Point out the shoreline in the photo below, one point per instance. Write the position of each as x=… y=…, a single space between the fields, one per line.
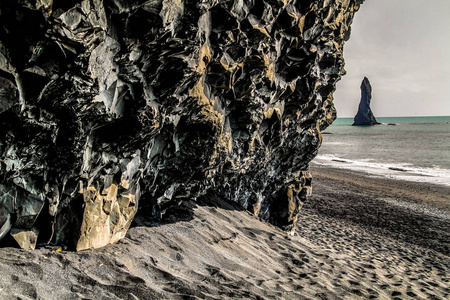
x=416 y=213
x=436 y=176
x=411 y=191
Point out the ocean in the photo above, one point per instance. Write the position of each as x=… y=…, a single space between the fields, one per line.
x=407 y=148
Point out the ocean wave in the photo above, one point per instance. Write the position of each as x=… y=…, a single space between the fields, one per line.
x=401 y=171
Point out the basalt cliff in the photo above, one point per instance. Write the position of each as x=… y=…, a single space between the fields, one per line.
x=108 y=106
x=365 y=116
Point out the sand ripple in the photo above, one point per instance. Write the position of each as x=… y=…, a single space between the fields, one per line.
x=215 y=251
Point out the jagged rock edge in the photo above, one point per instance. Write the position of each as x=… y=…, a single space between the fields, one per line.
x=110 y=105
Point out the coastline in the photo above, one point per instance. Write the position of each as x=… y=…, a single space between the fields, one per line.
x=411 y=191
x=412 y=212
x=358 y=237
x=423 y=176
x=414 y=150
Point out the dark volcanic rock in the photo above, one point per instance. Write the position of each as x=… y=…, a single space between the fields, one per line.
x=106 y=106
x=364 y=116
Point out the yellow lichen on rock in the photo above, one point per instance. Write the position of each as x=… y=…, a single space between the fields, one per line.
x=26 y=239
x=209 y=114
x=107 y=217
x=204 y=58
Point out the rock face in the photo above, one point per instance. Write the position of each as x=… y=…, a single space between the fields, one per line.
x=110 y=105
x=364 y=116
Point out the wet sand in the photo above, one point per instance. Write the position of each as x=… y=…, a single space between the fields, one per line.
x=358 y=238
x=416 y=213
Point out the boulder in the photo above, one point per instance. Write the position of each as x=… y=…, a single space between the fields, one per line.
x=26 y=239
x=109 y=106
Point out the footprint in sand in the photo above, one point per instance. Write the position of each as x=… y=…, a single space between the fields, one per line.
x=26 y=289
x=353 y=282
x=411 y=294
x=396 y=294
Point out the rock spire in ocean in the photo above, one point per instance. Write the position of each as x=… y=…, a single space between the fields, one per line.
x=364 y=115
x=111 y=106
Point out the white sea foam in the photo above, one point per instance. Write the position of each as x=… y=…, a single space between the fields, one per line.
x=400 y=171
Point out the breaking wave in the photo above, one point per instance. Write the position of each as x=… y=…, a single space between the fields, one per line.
x=400 y=171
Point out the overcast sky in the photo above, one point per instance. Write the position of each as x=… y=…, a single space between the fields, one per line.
x=403 y=47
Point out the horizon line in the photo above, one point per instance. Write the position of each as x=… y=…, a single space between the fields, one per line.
x=415 y=116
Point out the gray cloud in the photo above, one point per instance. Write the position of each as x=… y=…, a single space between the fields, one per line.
x=402 y=47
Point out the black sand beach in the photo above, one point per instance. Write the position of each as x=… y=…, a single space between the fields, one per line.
x=359 y=237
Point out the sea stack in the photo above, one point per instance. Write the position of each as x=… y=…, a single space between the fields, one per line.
x=365 y=115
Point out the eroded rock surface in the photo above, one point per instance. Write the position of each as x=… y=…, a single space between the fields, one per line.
x=109 y=105
x=365 y=116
